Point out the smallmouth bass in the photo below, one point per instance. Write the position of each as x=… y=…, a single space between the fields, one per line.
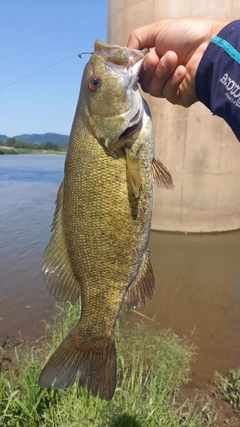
x=102 y=222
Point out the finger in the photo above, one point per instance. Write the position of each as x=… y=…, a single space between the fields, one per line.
x=143 y=37
x=149 y=66
x=155 y=74
x=171 y=89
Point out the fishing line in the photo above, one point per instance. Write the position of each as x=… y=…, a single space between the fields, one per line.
x=36 y=72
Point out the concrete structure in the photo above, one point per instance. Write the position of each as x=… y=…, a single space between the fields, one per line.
x=200 y=150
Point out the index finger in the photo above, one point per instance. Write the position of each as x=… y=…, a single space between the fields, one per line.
x=143 y=37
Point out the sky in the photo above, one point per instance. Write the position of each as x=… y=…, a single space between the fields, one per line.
x=35 y=34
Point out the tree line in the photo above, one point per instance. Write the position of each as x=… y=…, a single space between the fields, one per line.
x=49 y=146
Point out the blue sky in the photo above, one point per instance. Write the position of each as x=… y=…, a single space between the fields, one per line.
x=35 y=34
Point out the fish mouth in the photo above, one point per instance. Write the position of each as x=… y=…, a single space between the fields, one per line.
x=118 y=55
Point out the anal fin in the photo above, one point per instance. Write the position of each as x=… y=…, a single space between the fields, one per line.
x=56 y=266
x=161 y=175
x=143 y=287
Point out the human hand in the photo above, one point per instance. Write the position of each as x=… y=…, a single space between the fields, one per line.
x=169 y=69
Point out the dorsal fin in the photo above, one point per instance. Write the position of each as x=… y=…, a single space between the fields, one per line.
x=161 y=175
x=56 y=266
x=143 y=287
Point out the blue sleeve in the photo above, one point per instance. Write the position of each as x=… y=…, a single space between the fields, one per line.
x=218 y=76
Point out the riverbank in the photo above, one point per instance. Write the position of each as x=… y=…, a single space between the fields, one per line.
x=12 y=150
x=152 y=390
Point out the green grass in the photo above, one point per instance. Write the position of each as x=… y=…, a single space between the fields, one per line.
x=228 y=388
x=8 y=150
x=151 y=371
x=4 y=150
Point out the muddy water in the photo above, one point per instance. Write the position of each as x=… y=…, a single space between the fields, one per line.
x=197 y=276
x=198 y=294
x=28 y=186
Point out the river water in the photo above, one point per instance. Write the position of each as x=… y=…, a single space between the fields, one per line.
x=197 y=276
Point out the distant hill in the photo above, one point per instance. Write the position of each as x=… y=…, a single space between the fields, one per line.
x=3 y=138
x=55 y=138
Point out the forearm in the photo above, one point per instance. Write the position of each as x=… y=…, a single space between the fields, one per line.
x=218 y=76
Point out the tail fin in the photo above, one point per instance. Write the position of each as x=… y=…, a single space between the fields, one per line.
x=90 y=361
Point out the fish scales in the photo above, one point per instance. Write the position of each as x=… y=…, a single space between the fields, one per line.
x=102 y=221
x=112 y=240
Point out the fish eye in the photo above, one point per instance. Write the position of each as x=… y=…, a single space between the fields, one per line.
x=94 y=83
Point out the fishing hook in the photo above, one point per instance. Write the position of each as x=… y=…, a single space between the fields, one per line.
x=84 y=53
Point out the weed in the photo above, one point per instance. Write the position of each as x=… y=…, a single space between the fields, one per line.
x=151 y=370
x=229 y=387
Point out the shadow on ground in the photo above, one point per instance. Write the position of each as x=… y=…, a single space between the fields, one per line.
x=124 y=421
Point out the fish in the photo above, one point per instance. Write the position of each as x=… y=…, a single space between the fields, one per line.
x=98 y=253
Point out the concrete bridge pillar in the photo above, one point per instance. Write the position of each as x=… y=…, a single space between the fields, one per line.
x=200 y=150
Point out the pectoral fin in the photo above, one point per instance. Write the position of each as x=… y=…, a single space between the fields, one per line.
x=161 y=175
x=134 y=172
